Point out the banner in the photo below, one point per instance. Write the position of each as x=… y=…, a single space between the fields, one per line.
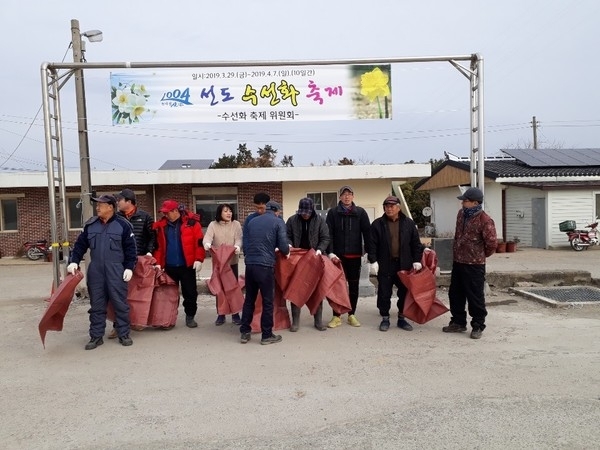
x=252 y=94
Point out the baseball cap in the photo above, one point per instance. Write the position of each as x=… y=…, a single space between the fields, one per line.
x=127 y=194
x=346 y=188
x=169 y=205
x=391 y=200
x=110 y=199
x=473 y=194
x=273 y=206
x=306 y=206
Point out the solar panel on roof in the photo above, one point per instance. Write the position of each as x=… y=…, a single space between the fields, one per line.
x=564 y=157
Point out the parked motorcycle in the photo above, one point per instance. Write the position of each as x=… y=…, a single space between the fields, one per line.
x=582 y=239
x=36 y=250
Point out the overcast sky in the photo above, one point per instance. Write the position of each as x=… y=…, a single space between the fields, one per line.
x=540 y=59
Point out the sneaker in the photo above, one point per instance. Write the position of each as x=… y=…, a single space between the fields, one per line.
x=245 y=338
x=353 y=321
x=138 y=327
x=273 y=339
x=385 y=324
x=125 y=340
x=454 y=328
x=236 y=319
x=403 y=324
x=113 y=334
x=220 y=320
x=94 y=342
x=190 y=322
x=476 y=333
x=335 y=321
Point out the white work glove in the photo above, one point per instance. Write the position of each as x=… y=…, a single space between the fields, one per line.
x=207 y=246
x=374 y=268
x=417 y=266
x=197 y=266
x=427 y=250
x=71 y=268
x=333 y=256
x=157 y=266
x=237 y=249
x=318 y=253
x=127 y=274
x=149 y=254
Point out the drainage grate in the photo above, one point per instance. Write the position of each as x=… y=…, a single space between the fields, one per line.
x=563 y=295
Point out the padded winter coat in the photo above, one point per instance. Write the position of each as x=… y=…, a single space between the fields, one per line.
x=191 y=239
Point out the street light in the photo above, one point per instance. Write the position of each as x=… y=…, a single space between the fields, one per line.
x=84 y=149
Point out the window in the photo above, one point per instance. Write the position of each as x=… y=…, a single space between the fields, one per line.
x=324 y=201
x=8 y=211
x=74 y=213
x=206 y=201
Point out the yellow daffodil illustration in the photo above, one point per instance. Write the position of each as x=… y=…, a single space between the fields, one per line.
x=376 y=85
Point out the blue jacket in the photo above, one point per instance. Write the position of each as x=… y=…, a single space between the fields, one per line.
x=109 y=243
x=263 y=234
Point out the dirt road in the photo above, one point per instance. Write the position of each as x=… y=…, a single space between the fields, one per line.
x=532 y=381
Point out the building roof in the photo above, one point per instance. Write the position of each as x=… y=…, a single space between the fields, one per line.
x=399 y=172
x=183 y=164
x=526 y=166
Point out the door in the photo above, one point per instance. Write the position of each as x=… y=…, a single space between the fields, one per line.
x=538 y=223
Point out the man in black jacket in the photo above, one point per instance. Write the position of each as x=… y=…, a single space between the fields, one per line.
x=394 y=246
x=348 y=231
x=306 y=229
x=141 y=222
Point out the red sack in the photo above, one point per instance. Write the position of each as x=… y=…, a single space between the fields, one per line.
x=139 y=293
x=54 y=316
x=285 y=267
x=281 y=315
x=305 y=278
x=335 y=287
x=165 y=301
x=421 y=304
x=223 y=283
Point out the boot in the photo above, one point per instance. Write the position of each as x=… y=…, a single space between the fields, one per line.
x=295 y=318
x=319 y=319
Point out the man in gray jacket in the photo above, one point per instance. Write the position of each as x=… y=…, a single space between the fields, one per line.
x=306 y=229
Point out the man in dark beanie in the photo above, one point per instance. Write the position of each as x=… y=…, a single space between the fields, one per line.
x=306 y=229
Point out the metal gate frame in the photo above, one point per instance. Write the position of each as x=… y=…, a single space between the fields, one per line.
x=52 y=82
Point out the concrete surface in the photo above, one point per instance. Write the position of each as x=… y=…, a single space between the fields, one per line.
x=532 y=381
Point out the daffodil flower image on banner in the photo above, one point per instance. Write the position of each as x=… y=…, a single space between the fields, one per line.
x=375 y=85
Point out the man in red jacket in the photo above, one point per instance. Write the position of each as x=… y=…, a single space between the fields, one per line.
x=180 y=251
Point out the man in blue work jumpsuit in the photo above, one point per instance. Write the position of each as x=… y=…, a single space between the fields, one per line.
x=113 y=255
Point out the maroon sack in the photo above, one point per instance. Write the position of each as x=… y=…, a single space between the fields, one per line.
x=54 y=316
x=165 y=302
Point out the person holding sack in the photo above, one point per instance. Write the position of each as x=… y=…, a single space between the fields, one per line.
x=394 y=245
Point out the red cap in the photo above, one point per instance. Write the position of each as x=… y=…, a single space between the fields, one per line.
x=168 y=205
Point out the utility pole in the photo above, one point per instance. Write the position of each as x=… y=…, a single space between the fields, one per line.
x=78 y=45
x=534 y=124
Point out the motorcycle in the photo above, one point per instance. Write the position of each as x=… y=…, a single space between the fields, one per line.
x=582 y=239
x=36 y=250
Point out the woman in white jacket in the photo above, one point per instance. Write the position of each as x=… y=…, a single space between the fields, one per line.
x=225 y=230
